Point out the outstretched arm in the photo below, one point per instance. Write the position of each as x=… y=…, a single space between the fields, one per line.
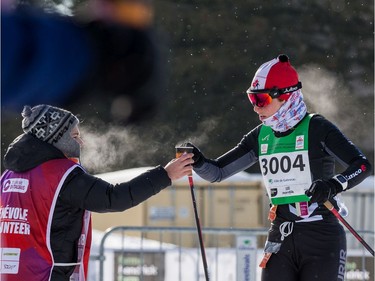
x=88 y=192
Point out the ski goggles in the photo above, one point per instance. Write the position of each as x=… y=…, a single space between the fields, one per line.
x=260 y=100
x=264 y=97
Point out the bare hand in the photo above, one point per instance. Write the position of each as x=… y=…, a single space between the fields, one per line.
x=179 y=167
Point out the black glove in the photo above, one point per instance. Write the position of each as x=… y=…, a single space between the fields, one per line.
x=323 y=190
x=198 y=156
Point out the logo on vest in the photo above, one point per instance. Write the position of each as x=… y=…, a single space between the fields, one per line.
x=273 y=192
x=16 y=185
x=300 y=142
x=263 y=148
x=10 y=259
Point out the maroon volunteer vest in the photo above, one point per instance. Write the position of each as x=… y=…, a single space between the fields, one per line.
x=28 y=201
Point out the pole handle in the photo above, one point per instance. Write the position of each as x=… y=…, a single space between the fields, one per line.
x=328 y=205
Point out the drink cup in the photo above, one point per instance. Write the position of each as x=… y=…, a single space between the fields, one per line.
x=180 y=149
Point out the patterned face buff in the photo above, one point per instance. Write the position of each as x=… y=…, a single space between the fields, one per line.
x=289 y=114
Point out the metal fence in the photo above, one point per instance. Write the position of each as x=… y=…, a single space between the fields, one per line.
x=128 y=254
x=360 y=204
x=165 y=250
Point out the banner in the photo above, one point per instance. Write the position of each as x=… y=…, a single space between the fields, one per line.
x=246 y=251
x=136 y=266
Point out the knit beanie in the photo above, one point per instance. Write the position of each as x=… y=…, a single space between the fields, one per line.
x=52 y=125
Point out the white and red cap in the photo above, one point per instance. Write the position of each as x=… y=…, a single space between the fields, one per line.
x=277 y=76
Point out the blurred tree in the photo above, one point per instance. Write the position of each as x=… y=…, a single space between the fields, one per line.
x=213 y=48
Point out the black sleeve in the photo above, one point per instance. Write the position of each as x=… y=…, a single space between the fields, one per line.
x=91 y=193
x=337 y=145
x=239 y=158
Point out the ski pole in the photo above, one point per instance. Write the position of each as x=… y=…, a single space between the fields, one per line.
x=179 y=151
x=203 y=253
x=330 y=207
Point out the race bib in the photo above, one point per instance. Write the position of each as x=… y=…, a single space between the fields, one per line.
x=285 y=164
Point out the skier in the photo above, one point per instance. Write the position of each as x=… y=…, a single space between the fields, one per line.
x=46 y=198
x=296 y=151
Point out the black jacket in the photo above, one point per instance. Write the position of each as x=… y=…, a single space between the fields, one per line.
x=80 y=192
x=327 y=146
